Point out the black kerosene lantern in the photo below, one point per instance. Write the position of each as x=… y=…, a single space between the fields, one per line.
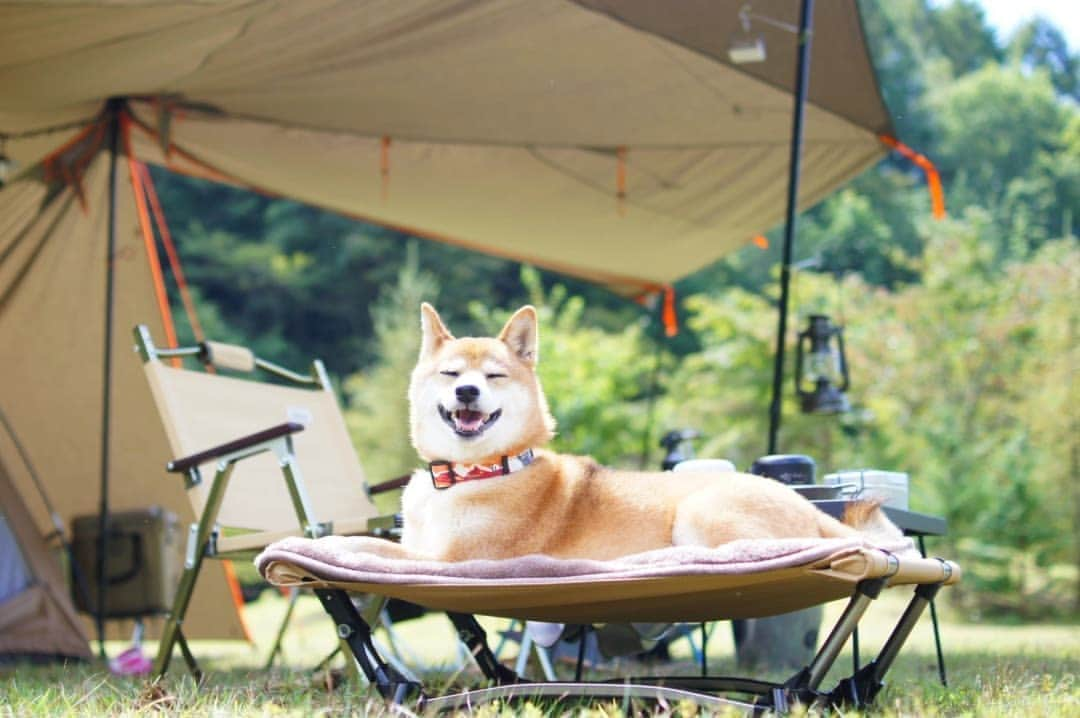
x=822 y=380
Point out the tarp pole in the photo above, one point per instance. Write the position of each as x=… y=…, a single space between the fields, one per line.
x=112 y=112
x=802 y=80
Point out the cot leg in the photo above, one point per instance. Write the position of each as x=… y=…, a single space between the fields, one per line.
x=474 y=637
x=937 y=628
x=803 y=686
x=354 y=632
x=862 y=687
x=865 y=592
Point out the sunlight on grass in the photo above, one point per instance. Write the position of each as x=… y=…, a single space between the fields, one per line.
x=993 y=671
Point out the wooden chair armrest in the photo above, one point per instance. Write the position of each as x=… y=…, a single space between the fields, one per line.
x=246 y=442
x=390 y=485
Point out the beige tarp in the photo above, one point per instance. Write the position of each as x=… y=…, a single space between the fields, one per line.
x=504 y=118
x=610 y=140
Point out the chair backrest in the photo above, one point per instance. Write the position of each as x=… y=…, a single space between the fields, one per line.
x=201 y=410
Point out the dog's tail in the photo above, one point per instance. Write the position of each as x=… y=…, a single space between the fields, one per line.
x=864 y=518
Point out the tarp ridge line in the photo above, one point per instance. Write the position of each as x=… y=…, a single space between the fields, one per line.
x=637 y=284
x=871 y=137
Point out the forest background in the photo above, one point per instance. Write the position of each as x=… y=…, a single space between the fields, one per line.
x=962 y=334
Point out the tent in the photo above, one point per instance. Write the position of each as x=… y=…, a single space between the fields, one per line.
x=52 y=299
x=36 y=615
x=611 y=140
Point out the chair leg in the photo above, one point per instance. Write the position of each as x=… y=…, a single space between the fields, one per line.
x=199 y=537
x=505 y=637
x=189 y=659
x=524 y=649
x=326 y=661
x=397 y=645
x=544 y=658
x=294 y=593
x=703 y=655
x=172 y=634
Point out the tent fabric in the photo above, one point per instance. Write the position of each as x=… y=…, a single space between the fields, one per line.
x=52 y=294
x=36 y=615
x=14 y=575
x=505 y=118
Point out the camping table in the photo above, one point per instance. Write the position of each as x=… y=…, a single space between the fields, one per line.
x=912 y=523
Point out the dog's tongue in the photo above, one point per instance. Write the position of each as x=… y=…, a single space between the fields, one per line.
x=469 y=420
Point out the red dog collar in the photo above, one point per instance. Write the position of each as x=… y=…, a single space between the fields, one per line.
x=445 y=474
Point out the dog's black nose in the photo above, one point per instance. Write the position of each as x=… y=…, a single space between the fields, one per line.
x=467 y=393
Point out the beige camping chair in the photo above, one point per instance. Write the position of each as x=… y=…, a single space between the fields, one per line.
x=240 y=444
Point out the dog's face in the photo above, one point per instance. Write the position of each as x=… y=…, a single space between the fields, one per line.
x=476 y=399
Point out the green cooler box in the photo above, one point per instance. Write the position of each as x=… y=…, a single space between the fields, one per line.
x=144 y=560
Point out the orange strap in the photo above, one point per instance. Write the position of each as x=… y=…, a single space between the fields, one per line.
x=153 y=259
x=148 y=239
x=171 y=253
x=384 y=166
x=933 y=179
x=670 y=315
x=620 y=179
x=71 y=172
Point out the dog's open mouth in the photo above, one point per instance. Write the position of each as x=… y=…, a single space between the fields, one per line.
x=468 y=423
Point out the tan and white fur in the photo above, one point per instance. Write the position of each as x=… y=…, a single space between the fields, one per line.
x=474 y=400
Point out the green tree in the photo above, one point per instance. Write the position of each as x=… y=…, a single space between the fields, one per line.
x=1039 y=44
x=959 y=31
x=965 y=379
x=1002 y=147
x=378 y=408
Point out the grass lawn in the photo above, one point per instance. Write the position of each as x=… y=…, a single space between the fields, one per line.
x=993 y=671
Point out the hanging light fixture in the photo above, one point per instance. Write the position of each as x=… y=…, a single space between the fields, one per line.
x=745 y=46
x=822 y=378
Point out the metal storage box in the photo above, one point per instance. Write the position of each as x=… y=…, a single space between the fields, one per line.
x=891 y=487
x=144 y=560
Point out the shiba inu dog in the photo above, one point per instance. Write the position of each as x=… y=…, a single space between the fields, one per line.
x=479 y=417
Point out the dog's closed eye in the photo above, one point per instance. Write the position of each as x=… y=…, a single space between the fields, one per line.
x=450 y=373
x=495 y=376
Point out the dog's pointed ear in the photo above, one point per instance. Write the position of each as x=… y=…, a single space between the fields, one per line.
x=521 y=335
x=434 y=332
